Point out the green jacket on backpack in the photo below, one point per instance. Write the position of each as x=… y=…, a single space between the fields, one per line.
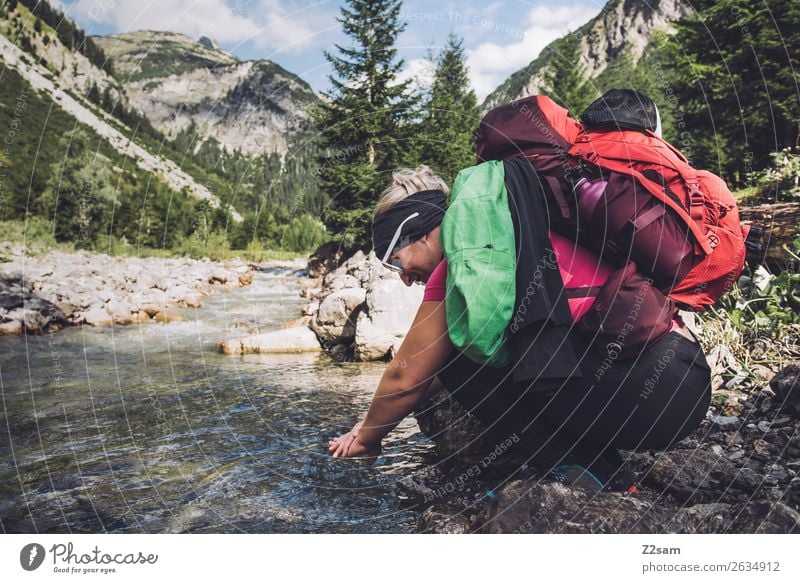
x=479 y=245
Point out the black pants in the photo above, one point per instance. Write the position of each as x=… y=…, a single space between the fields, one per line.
x=651 y=402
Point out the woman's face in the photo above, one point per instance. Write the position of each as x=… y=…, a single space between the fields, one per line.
x=419 y=259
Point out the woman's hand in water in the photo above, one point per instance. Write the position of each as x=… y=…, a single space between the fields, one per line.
x=349 y=445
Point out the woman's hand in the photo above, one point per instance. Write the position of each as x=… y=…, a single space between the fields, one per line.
x=349 y=445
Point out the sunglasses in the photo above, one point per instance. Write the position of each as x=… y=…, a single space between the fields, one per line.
x=393 y=246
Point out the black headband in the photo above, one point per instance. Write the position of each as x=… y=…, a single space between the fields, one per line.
x=430 y=204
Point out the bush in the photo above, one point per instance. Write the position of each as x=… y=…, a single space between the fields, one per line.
x=781 y=181
x=215 y=246
x=36 y=234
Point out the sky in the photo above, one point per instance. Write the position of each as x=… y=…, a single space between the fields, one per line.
x=499 y=37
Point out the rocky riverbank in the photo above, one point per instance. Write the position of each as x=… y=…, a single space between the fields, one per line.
x=357 y=311
x=734 y=474
x=50 y=291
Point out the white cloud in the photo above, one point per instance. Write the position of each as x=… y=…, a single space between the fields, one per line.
x=266 y=23
x=490 y=63
x=419 y=71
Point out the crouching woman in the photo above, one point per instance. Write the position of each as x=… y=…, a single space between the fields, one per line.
x=579 y=420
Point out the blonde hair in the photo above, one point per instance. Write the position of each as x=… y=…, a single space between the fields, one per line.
x=406 y=182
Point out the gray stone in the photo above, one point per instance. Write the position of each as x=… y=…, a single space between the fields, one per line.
x=344 y=282
x=724 y=422
x=766 y=518
x=10 y=328
x=390 y=310
x=96 y=317
x=525 y=506
x=9 y=301
x=326 y=258
x=691 y=476
x=279 y=341
x=335 y=320
x=443 y=520
x=785 y=384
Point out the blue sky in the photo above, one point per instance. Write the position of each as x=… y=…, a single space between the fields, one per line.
x=499 y=37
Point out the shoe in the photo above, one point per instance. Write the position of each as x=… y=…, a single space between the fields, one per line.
x=577 y=475
x=605 y=472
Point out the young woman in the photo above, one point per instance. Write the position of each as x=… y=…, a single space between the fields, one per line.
x=648 y=402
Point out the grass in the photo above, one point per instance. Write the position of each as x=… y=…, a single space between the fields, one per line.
x=36 y=237
x=746 y=194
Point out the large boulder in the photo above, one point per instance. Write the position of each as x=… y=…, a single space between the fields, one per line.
x=390 y=310
x=327 y=258
x=336 y=318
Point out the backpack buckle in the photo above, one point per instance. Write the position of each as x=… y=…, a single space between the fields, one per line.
x=697 y=205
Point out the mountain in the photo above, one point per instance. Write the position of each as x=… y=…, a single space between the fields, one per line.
x=178 y=83
x=83 y=164
x=44 y=65
x=622 y=29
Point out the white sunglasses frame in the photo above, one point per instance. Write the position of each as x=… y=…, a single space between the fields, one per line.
x=390 y=249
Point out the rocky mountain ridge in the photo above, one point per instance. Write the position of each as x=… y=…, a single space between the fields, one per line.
x=65 y=76
x=178 y=83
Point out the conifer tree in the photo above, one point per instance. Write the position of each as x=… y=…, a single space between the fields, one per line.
x=735 y=75
x=452 y=115
x=366 y=126
x=565 y=79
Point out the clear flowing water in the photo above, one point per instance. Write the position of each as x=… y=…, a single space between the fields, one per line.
x=147 y=428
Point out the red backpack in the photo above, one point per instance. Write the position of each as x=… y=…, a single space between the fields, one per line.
x=679 y=225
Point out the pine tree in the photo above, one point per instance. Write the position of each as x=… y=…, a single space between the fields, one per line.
x=736 y=77
x=452 y=115
x=565 y=79
x=366 y=127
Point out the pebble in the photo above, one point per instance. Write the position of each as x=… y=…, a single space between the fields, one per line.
x=763 y=426
x=781 y=421
x=725 y=422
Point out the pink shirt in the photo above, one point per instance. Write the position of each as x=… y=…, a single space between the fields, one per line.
x=579 y=267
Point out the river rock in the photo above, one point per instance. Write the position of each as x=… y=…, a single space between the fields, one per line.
x=336 y=318
x=167 y=316
x=119 y=311
x=785 y=384
x=10 y=327
x=725 y=422
x=326 y=258
x=444 y=520
x=390 y=310
x=96 y=317
x=9 y=300
x=280 y=341
x=766 y=518
x=527 y=506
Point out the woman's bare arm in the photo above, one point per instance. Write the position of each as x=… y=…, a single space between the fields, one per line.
x=406 y=380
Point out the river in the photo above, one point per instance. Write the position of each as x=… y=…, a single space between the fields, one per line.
x=147 y=428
